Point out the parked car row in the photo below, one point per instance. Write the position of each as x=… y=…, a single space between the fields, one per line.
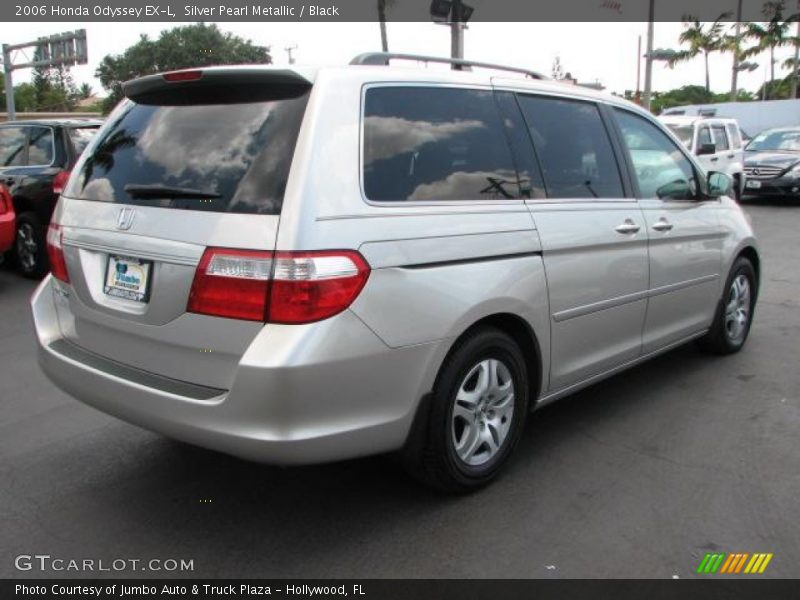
x=35 y=160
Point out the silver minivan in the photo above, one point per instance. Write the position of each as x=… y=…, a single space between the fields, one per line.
x=305 y=265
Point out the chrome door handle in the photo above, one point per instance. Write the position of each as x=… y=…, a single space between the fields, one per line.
x=662 y=225
x=627 y=227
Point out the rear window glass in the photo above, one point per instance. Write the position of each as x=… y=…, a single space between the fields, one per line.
x=427 y=143
x=40 y=146
x=81 y=136
x=12 y=146
x=231 y=157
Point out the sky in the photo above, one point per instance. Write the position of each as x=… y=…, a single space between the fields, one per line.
x=589 y=51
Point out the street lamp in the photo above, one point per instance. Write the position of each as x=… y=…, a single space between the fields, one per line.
x=456 y=14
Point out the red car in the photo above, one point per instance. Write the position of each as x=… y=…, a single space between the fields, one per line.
x=7 y=220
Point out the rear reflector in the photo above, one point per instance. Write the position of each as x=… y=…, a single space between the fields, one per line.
x=183 y=76
x=60 y=181
x=55 y=252
x=285 y=287
x=231 y=283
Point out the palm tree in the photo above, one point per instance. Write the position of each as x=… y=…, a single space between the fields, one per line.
x=701 y=39
x=382 y=6
x=770 y=35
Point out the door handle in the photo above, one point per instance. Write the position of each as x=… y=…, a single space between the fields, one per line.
x=628 y=226
x=662 y=225
x=731 y=156
x=714 y=159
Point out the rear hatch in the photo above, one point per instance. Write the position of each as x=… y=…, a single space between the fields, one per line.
x=190 y=160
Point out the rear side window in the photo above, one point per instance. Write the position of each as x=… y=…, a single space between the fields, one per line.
x=12 y=146
x=80 y=137
x=573 y=147
x=703 y=137
x=734 y=136
x=720 y=137
x=40 y=146
x=429 y=143
x=222 y=157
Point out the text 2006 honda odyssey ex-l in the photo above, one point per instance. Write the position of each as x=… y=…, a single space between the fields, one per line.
x=298 y=266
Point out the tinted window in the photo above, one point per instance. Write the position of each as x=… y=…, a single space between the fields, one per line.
x=238 y=155
x=661 y=169
x=424 y=143
x=12 y=146
x=704 y=137
x=40 y=146
x=720 y=137
x=81 y=136
x=735 y=138
x=530 y=177
x=573 y=147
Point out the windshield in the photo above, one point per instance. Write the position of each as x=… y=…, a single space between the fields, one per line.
x=226 y=157
x=784 y=141
x=684 y=133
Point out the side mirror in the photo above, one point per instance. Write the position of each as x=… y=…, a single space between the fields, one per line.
x=719 y=184
x=706 y=149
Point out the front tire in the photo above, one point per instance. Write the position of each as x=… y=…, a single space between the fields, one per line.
x=734 y=314
x=30 y=249
x=477 y=412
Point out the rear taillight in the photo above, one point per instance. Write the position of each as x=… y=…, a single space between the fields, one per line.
x=6 y=203
x=285 y=287
x=232 y=283
x=60 y=182
x=311 y=286
x=55 y=252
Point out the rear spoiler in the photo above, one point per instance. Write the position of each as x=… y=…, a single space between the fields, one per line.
x=216 y=85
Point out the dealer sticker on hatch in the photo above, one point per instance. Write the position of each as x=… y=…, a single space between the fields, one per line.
x=128 y=278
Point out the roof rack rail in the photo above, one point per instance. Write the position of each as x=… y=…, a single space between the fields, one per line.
x=383 y=58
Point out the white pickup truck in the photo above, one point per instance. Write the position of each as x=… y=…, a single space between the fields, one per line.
x=717 y=143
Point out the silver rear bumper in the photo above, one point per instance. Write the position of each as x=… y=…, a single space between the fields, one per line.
x=301 y=394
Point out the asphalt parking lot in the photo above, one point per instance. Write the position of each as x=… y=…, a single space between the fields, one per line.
x=638 y=476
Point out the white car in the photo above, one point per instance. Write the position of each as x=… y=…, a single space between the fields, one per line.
x=717 y=143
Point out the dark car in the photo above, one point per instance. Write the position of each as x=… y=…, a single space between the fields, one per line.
x=772 y=163
x=35 y=161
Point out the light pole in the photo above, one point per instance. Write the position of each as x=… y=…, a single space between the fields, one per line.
x=735 y=76
x=648 y=65
x=456 y=14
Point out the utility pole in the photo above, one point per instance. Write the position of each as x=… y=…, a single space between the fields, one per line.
x=735 y=75
x=457 y=31
x=648 y=63
x=11 y=109
x=65 y=49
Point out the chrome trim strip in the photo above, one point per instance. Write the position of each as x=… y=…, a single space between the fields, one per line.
x=167 y=258
x=586 y=309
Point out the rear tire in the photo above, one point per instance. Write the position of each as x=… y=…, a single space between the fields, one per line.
x=30 y=247
x=734 y=314
x=476 y=414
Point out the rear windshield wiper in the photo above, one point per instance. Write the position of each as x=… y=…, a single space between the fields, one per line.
x=156 y=190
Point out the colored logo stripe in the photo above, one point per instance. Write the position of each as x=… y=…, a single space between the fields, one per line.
x=719 y=562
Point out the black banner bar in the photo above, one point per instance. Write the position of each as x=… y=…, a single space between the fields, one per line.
x=366 y=10
x=712 y=588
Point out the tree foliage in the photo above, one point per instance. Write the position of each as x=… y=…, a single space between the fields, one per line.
x=197 y=45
